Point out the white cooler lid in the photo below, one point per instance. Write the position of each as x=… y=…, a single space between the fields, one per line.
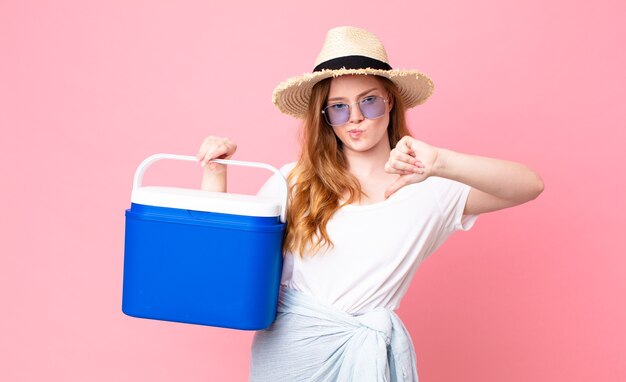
x=199 y=200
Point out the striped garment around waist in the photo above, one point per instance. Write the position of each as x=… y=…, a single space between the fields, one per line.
x=314 y=341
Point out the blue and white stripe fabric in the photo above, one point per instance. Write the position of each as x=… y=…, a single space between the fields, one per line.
x=314 y=341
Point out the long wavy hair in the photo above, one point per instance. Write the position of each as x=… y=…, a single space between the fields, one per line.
x=320 y=178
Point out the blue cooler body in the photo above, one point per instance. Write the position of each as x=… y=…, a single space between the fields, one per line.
x=201 y=257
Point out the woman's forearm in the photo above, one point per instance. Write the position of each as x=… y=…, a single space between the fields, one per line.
x=510 y=181
x=214 y=180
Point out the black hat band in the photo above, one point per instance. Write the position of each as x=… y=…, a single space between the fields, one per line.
x=352 y=62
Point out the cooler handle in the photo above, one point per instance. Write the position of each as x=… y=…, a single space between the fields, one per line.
x=143 y=166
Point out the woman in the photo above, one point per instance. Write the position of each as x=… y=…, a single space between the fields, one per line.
x=368 y=203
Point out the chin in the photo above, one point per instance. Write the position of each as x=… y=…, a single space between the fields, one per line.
x=359 y=146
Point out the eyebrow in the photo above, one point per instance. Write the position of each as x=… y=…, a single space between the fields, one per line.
x=358 y=95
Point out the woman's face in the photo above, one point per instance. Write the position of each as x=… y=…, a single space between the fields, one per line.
x=360 y=134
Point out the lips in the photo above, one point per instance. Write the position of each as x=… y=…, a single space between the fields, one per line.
x=355 y=132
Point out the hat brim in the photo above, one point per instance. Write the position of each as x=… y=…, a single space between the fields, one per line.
x=292 y=96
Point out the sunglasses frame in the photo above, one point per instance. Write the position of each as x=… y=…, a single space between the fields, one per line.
x=385 y=100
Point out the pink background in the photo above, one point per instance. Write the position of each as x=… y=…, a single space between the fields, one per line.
x=89 y=89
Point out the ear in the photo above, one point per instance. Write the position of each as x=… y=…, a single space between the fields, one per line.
x=391 y=101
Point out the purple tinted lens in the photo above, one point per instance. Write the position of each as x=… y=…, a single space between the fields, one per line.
x=337 y=114
x=372 y=107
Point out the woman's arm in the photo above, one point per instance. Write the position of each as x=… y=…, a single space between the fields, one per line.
x=496 y=184
x=214 y=180
x=214 y=176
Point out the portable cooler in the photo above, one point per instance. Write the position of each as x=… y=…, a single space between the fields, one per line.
x=202 y=257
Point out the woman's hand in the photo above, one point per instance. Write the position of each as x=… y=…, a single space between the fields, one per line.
x=413 y=160
x=214 y=178
x=215 y=148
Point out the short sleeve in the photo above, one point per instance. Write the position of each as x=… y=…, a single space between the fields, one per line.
x=452 y=197
x=273 y=187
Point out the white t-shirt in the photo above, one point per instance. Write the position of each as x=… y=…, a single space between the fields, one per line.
x=377 y=247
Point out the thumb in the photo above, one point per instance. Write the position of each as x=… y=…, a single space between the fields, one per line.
x=395 y=186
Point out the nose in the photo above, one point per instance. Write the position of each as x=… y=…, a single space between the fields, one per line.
x=355 y=114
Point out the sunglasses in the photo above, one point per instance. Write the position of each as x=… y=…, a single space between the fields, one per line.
x=371 y=107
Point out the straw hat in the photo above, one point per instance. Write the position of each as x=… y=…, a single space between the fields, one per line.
x=350 y=50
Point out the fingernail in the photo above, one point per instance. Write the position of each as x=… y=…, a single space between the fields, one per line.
x=202 y=164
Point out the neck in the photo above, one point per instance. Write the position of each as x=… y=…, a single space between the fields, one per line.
x=368 y=163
